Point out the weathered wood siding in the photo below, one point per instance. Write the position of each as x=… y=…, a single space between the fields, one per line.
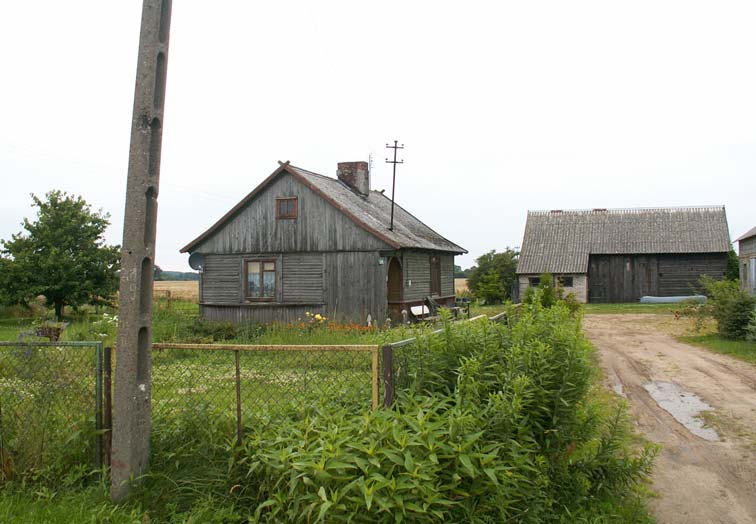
x=319 y=227
x=416 y=265
x=344 y=286
x=302 y=277
x=747 y=259
x=417 y=275
x=679 y=275
x=626 y=278
x=259 y=313
x=222 y=279
x=747 y=247
x=447 y=275
x=355 y=286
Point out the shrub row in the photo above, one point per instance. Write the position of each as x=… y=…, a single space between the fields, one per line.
x=498 y=424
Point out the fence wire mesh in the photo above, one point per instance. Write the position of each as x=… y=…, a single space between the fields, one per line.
x=257 y=384
x=50 y=406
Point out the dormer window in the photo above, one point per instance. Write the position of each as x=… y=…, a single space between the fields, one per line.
x=286 y=207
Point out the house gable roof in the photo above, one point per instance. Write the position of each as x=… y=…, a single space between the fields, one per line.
x=561 y=241
x=371 y=213
x=750 y=233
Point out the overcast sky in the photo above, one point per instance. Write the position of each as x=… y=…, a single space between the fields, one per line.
x=502 y=107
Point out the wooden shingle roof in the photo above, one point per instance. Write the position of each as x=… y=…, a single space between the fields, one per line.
x=561 y=241
x=371 y=213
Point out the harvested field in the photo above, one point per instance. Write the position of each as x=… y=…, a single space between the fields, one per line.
x=177 y=289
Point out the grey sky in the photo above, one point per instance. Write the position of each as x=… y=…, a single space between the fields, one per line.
x=502 y=106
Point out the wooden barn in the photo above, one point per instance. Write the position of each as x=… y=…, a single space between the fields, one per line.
x=620 y=255
x=303 y=242
x=747 y=257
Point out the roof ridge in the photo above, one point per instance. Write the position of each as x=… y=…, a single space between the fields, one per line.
x=625 y=210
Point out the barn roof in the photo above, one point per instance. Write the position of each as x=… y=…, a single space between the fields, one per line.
x=371 y=213
x=751 y=233
x=561 y=241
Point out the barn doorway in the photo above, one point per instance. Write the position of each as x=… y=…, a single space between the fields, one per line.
x=394 y=280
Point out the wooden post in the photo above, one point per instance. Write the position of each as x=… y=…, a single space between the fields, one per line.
x=131 y=432
x=388 y=375
x=374 y=352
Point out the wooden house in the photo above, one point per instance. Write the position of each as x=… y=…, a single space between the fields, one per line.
x=620 y=255
x=303 y=242
x=747 y=258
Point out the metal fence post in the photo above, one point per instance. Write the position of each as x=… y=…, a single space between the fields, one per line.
x=98 y=404
x=237 y=358
x=108 y=400
x=388 y=375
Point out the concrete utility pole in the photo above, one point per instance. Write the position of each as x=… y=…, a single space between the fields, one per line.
x=131 y=430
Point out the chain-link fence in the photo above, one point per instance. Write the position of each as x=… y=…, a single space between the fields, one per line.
x=254 y=384
x=51 y=406
x=414 y=362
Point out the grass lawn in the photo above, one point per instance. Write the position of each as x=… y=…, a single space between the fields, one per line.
x=632 y=307
x=43 y=506
x=741 y=349
x=11 y=327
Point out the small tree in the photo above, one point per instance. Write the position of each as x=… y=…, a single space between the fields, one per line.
x=503 y=265
x=732 y=272
x=61 y=256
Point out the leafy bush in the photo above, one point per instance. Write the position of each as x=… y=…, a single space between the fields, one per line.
x=213 y=331
x=751 y=328
x=729 y=305
x=498 y=424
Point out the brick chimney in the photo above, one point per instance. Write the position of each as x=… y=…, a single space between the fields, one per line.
x=356 y=175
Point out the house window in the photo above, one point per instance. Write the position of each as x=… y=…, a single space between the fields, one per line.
x=286 y=207
x=261 y=279
x=565 y=281
x=534 y=281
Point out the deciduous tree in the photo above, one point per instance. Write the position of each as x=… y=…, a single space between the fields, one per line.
x=61 y=255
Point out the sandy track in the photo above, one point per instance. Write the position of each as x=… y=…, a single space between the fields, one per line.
x=697 y=481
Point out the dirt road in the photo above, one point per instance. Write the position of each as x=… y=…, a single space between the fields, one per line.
x=697 y=480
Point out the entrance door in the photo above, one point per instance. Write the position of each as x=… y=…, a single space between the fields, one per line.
x=435 y=275
x=394 y=280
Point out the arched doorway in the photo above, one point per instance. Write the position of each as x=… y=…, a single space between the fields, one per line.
x=394 y=280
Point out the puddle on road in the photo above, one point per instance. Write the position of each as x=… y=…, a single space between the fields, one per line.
x=682 y=405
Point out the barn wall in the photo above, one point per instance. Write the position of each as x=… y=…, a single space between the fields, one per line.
x=679 y=274
x=626 y=278
x=579 y=285
x=319 y=226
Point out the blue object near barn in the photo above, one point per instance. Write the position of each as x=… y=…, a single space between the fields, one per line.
x=701 y=299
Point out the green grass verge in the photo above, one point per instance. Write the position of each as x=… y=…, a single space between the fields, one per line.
x=741 y=349
x=630 y=308
x=69 y=507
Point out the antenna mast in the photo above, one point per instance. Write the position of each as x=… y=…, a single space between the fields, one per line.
x=395 y=147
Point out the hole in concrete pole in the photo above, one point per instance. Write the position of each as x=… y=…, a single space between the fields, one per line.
x=160 y=70
x=143 y=347
x=145 y=291
x=156 y=135
x=150 y=217
x=165 y=20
